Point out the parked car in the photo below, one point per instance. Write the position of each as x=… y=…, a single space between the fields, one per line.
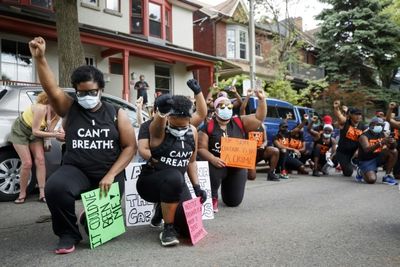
x=13 y=101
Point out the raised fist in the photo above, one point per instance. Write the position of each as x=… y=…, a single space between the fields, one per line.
x=336 y=104
x=392 y=105
x=164 y=103
x=194 y=86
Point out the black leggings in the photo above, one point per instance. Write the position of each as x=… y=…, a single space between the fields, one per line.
x=167 y=186
x=65 y=186
x=232 y=182
x=345 y=162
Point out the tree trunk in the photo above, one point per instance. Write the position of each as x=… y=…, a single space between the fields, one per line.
x=70 y=49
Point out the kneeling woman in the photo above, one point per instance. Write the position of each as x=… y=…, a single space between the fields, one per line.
x=173 y=150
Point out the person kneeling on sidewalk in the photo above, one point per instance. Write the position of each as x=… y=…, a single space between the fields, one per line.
x=375 y=150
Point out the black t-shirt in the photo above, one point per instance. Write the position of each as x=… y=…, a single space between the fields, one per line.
x=326 y=144
x=144 y=130
x=372 y=140
x=174 y=152
x=348 y=141
x=141 y=87
x=214 y=139
x=92 y=139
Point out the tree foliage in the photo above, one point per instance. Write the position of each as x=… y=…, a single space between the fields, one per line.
x=357 y=38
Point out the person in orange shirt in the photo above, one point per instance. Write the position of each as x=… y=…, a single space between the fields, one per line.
x=395 y=132
x=350 y=130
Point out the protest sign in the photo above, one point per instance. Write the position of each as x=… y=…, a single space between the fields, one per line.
x=205 y=184
x=257 y=136
x=246 y=86
x=192 y=209
x=239 y=153
x=138 y=211
x=103 y=215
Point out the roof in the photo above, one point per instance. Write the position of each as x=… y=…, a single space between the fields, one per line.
x=226 y=8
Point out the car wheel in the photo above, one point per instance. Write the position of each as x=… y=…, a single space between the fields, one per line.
x=10 y=165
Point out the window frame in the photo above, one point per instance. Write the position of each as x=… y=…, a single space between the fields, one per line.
x=238 y=30
x=135 y=16
x=32 y=78
x=119 y=6
x=29 y=4
x=156 y=89
x=115 y=60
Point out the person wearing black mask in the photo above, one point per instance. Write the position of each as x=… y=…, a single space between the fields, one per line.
x=350 y=130
x=375 y=150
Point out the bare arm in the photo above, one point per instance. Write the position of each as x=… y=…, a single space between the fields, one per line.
x=299 y=127
x=192 y=168
x=39 y=113
x=340 y=117
x=205 y=154
x=238 y=101
x=243 y=107
x=157 y=130
x=252 y=122
x=334 y=146
x=58 y=99
x=312 y=132
x=365 y=145
x=144 y=148
x=201 y=110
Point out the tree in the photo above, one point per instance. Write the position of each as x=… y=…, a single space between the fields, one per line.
x=357 y=38
x=393 y=11
x=70 y=49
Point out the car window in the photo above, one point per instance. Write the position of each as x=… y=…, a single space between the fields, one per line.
x=279 y=112
x=302 y=112
x=3 y=93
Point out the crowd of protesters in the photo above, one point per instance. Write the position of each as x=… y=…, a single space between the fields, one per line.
x=178 y=134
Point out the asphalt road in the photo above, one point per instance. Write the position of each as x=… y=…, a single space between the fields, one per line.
x=303 y=221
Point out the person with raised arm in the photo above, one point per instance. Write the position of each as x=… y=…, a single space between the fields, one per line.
x=100 y=143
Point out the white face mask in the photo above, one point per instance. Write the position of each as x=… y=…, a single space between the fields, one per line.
x=327 y=135
x=377 y=129
x=225 y=114
x=178 y=132
x=89 y=102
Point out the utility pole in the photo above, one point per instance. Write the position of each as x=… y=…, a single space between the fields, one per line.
x=252 y=43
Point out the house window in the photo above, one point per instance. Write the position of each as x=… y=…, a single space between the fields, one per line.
x=47 y=4
x=91 y=2
x=167 y=19
x=231 y=43
x=90 y=61
x=162 y=79
x=258 y=49
x=116 y=66
x=113 y=5
x=137 y=16
x=16 y=61
x=155 y=20
x=243 y=44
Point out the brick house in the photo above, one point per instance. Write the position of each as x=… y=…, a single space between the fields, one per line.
x=122 y=38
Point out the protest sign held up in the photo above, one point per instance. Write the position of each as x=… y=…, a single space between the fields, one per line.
x=239 y=153
x=138 y=211
x=192 y=209
x=103 y=215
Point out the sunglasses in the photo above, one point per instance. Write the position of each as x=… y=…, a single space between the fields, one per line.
x=284 y=127
x=92 y=92
x=222 y=106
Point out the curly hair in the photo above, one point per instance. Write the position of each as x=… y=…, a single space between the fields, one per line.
x=42 y=98
x=85 y=74
x=182 y=106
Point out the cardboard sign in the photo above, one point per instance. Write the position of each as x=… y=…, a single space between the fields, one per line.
x=246 y=86
x=205 y=184
x=137 y=210
x=239 y=153
x=103 y=215
x=192 y=209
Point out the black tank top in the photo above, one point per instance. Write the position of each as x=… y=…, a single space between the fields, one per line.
x=92 y=139
x=348 y=141
x=372 y=140
x=214 y=139
x=174 y=152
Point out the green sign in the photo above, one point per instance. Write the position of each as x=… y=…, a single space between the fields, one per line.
x=103 y=215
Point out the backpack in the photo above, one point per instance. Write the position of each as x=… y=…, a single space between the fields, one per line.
x=236 y=120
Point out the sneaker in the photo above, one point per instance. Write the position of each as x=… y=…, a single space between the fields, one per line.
x=389 y=179
x=272 y=177
x=168 y=236
x=66 y=245
x=157 y=219
x=82 y=221
x=215 y=204
x=359 y=177
x=316 y=173
x=325 y=169
x=284 y=175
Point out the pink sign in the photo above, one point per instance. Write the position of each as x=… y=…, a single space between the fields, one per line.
x=193 y=215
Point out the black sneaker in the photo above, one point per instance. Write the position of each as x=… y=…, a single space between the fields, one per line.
x=273 y=177
x=66 y=245
x=156 y=220
x=168 y=236
x=316 y=173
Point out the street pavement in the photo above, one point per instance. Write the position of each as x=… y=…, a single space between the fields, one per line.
x=302 y=221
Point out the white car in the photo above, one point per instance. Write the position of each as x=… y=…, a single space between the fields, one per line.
x=13 y=101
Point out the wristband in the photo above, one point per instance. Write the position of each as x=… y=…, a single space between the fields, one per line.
x=162 y=115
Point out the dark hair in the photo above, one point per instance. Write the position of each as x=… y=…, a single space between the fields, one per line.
x=182 y=106
x=87 y=73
